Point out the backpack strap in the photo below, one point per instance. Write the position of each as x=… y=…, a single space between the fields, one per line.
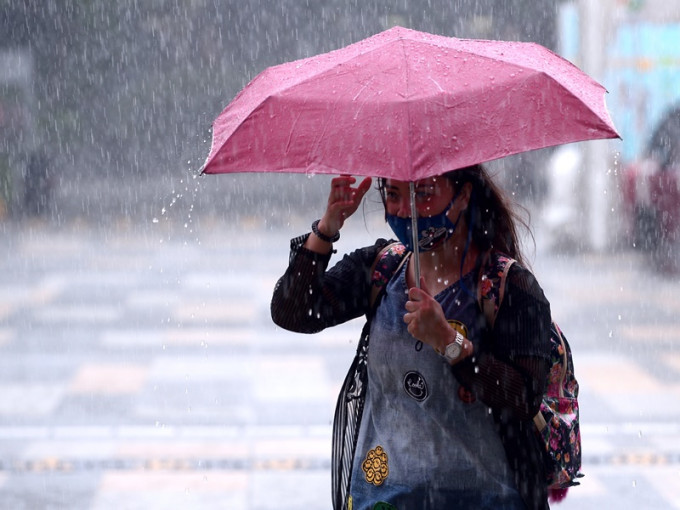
x=388 y=262
x=491 y=285
x=490 y=293
x=557 y=332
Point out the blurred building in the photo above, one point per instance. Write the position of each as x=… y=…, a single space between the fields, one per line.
x=125 y=92
x=631 y=47
x=643 y=69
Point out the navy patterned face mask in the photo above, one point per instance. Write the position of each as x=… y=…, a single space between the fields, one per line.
x=432 y=230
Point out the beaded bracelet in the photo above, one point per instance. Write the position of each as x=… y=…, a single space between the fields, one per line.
x=324 y=237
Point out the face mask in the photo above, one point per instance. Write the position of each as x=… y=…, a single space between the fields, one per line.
x=431 y=231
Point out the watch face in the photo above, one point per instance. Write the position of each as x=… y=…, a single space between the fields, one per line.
x=452 y=351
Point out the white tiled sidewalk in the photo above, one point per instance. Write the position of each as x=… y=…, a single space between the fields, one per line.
x=140 y=374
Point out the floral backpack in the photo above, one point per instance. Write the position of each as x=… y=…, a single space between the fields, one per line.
x=557 y=422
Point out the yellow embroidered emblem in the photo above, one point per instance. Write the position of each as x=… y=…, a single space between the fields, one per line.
x=375 y=466
x=459 y=326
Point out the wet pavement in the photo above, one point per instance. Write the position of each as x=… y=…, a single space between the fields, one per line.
x=141 y=369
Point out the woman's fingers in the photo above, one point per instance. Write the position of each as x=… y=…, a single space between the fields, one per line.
x=364 y=186
x=423 y=315
x=342 y=190
x=344 y=199
x=341 y=187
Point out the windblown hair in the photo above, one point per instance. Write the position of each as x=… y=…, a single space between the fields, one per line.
x=490 y=215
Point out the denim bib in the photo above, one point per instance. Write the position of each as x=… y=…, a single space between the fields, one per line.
x=424 y=442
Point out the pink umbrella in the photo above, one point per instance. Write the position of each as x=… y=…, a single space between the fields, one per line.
x=407 y=105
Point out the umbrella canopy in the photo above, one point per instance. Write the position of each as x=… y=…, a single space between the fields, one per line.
x=407 y=105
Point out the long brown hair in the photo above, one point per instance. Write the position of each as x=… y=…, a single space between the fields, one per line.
x=491 y=218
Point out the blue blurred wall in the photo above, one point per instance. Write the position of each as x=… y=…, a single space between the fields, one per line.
x=642 y=73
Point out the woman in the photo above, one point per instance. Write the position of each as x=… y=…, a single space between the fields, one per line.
x=447 y=415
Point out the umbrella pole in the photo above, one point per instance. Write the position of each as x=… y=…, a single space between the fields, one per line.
x=414 y=232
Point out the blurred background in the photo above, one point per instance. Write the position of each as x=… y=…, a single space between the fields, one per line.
x=134 y=327
x=107 y=107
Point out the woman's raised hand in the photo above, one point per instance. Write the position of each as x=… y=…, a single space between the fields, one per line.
x=343 y=201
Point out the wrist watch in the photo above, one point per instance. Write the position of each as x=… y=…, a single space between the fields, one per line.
x=453 y=351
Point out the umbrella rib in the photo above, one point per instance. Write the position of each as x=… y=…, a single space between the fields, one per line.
x=408 y=111
x=359 y=93
x=322 y=133
x=292 y=130
x=361 y=90
x=437 y=84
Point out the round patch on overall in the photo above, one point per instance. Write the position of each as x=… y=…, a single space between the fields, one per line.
x=375 y=466
x=415 y=386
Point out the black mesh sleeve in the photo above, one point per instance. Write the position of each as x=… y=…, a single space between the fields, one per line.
x=308 y=298
x=510 y=370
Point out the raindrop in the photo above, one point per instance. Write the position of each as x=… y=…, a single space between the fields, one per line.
x=155 y=220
